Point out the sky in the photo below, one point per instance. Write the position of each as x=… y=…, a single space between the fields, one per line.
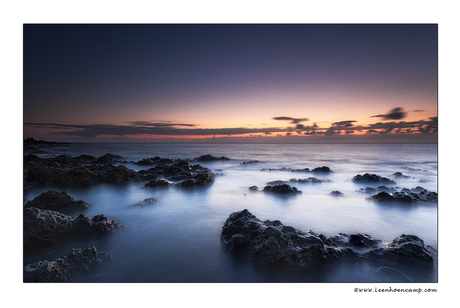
x=231 y=82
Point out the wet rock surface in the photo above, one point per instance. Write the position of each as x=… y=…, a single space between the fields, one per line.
x=82 y=171
x=372 y=179
x=281 y=189
x=46 y=227
x=323 y=169
x=415 y=195
x=271 y=242
x=57 y=201
x=65 y=268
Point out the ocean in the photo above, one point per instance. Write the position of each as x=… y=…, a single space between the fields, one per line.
x=177 y=239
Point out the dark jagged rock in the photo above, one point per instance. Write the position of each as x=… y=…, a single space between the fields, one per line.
x=251 y=162
x=57 y=201
x=66 y=171
x=154 y=161
x=310 y=180
x=367 y=190
x=282 y=189
x=199 y=179
x=337 y=193
x=271 y=242
x=399 y=175
x=157 y=183
x=254 y=188
x=120 y=174
x=85 y=159
x=372 y=178
x=65 y=268
x=302 y=181
x=31 y=143
x=323 y=169
x=46 y=227
x=209 y=157
x=408 y=249
x=406 y=196
x=146 y=202
x=107 y=159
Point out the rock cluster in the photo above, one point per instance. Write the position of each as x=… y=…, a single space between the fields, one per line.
x=323 y=169
x=406 y=196
x=65 y=268
x=271 y=242
x=372 y=179
x=282 y=189
x=57 y=201
x=86 y=170
x=46 y=227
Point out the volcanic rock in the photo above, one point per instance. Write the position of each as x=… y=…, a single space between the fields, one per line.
x=57 y=201
x=65 y=268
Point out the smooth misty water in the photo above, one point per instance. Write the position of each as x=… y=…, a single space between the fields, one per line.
x=178 y=238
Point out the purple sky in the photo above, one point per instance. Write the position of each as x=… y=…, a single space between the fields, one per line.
x=235 y=83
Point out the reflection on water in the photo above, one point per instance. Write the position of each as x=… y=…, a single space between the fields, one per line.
x=177 y=239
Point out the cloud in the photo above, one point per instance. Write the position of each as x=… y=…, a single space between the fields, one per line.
x=293 y=120
x=163 y=129
x=394 y=114
x=147 y=128
x=160 y=124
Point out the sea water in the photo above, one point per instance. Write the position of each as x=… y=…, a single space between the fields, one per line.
x=177 y=239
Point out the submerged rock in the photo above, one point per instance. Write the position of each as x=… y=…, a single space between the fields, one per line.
x=107 y=159
x=199 y=179
x=46 y=227
x=157 y=183
x=251 y=162
x=323 y=169
x=146 y=202
x=406 y=196
x=271 y=242
x=407 y=249
x=282 y=189
x=57 y=201
x=209 y=157
x=310 y=180
x=337 y=193
x=372 y=178
x=65 y=268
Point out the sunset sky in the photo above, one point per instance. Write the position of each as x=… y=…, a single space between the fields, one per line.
x=231 y=83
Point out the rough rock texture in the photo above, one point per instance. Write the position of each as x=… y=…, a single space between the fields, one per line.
x=408 y=249
x=65 y=268
x=323 y=169
x=406 y=196
x=57 y=201
x=157 y=183
x=146 y=202
x=271 y=242
x=209 y=157
x=45 y=227
x=201 y=178
x=66 y=171
x=282 y=189
x=372 y=179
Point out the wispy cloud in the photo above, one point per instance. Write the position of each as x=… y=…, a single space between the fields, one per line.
x=147 y=128
x=163 y=129
x=293 y=120
x=397 y=113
